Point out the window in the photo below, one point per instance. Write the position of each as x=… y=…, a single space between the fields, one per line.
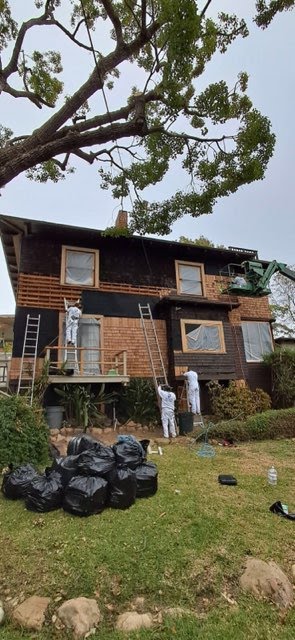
x=79 y=266
x=190 y=278
x=204 y=336
x=257 y=340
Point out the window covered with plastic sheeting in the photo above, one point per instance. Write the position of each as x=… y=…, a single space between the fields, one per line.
x=257 y=340
x=189 y=279
x=79 y=267
x=202 y=336
x=89 y=339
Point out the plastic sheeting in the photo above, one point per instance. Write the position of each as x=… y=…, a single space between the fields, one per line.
x=89 y=338
x=257 y=340
x=204 y=338
x=80 y=268
x=190 y=280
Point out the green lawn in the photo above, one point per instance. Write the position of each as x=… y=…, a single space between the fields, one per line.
x=175 y=549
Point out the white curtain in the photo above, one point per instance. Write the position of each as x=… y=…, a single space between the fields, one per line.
x=79 y=268
x=190 y=280
x=257 y=340
x=204 y=338
x=89 y=336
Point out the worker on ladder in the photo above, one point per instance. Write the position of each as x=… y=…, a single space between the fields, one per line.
x=73 y=315
x=193 y=390
x=167 y=398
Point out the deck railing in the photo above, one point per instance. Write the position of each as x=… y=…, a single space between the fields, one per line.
x=87 y=361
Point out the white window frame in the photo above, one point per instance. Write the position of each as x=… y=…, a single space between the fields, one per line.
x=198 y=265
x=258 y=323
x=217 y=323
x=93 y=252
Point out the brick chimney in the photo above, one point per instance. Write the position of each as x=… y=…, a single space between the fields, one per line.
x=122 y=220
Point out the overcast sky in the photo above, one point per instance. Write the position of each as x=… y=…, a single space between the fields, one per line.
x=258 y=216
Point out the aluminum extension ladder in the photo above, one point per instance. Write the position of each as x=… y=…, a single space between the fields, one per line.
x=26 y=379
x=71 y=358
x=153 y=347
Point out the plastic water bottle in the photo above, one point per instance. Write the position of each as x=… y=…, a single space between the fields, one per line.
x=272 y=476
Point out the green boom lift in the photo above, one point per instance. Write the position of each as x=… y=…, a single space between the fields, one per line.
x=257 y=278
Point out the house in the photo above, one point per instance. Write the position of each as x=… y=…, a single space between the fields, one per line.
x=223 y=337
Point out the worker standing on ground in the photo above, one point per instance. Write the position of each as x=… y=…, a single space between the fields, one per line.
x=193 y=390
x=72 y=322
x=167 y=410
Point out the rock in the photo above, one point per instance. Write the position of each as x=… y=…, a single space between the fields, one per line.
x=293 y=572
x=131 y=621
x=61 y=444
x=96 y=432
x=1 y=613
x=80 y=615
x=31 y=613
x=54 y=432
x=267 y=580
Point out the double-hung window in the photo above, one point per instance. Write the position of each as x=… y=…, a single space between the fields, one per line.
x=190 y=278
x=257 y=340
x=79 y=267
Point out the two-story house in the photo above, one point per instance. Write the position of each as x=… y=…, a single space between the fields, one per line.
x=222 y=337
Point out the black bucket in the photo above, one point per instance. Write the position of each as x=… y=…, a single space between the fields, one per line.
x=186 y=422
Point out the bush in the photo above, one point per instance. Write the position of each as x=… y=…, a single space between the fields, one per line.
x=263 y=426
x=23 y=433
x=236 y=402
x=282 y=364
x=138 y=402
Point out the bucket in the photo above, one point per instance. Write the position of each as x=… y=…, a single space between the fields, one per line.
x=54 y=417
x=186 y=422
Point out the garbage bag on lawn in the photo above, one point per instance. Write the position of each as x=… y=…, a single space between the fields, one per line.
x=85 y=495
x=122 y=488
x=96 y=462
x=17 y=481
x=66 y=466
x=79 y=444
x=45 y=492
x=146 y=479
x=129 y=452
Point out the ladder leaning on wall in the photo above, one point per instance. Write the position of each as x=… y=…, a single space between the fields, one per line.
x=152 y=344
x=27 y=372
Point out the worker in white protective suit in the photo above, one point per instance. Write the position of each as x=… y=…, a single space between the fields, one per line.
x=193 y=390
x=239 y=281
x=72 y=322
x=167 y=410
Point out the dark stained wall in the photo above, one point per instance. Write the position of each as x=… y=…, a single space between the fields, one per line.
x=48 y=329
x=118 y=305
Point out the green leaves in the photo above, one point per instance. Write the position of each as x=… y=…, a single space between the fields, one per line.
x=39 y=77
x=266 y=11
x=8 y=26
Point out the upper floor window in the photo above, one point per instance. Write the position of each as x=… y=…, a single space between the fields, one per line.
x=204 y=336
x=79 y=267
x=190 y=278
x=257 y=340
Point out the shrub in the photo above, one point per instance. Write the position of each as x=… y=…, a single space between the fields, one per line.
x=262 y=426
x=282 y=364
x=138 y=402
x=236 y=402
x=23 y=433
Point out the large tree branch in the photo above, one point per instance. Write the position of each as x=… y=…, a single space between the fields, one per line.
x=29 y=95
x=45 y=19
x=114 y=18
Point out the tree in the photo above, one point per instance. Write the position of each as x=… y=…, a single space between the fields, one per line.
x=201 y=241
x=283 y=305
x=162 y=119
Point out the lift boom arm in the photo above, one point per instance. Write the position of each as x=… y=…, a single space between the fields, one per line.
x=257 y=278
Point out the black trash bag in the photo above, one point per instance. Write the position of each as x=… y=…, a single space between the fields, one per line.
x=17 y=481
x=96 y=462
x=278 y=508
x=122 y=488
x=146 y=480
x=67 y=467
x=85 y=495
x=45 y=492
x=79 y=444
x=129 y=452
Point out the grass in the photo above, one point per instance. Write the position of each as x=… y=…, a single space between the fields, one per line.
x=175 y=549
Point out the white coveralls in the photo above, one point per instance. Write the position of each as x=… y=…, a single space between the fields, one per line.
x=72 y=322
x=167 y=412
x=193 y=391
x=239 y=281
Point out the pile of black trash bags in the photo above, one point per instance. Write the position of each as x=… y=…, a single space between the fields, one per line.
x=91 y=477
